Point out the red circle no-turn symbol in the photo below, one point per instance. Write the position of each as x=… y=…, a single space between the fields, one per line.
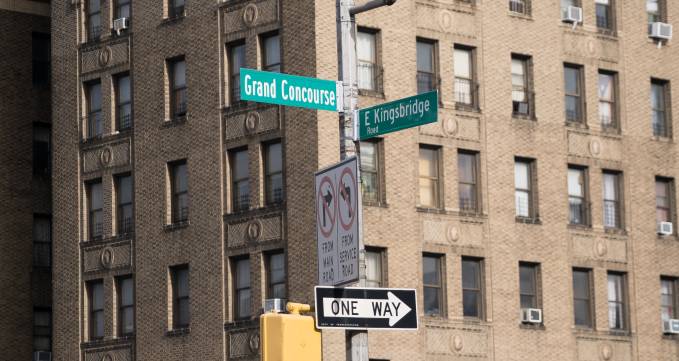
x=348 y=198
x=326 y=207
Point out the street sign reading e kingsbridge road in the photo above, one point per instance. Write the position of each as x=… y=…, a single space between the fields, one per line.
x=397 y=115
x=290 y=90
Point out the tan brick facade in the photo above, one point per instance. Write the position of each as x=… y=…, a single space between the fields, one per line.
x=215 y=236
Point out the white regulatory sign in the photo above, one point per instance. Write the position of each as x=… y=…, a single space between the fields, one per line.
x=338 y=212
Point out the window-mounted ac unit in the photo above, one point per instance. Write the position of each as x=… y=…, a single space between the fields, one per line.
x=665 y=228
x=120 y=24
x=531 y=315
x=661 y=31
x=572 y=14
x=670 y=326
x=42 y=356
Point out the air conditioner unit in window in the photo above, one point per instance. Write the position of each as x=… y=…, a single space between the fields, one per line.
x=42 y=356
x=670 y=326
x=661 y=31
x=531 y=315
x=120 y=25
x=665 y=228
x=572 y=14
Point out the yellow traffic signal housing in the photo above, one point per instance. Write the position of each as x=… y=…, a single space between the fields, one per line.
x=289 y=337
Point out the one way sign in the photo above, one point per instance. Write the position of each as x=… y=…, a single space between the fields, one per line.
x=362 y=308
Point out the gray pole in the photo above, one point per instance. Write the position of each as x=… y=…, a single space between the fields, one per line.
x=356 y=341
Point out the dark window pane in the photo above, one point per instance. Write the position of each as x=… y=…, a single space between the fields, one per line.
x=432 y=301
x=470 y=304
x=41 y=59
x=431 y=270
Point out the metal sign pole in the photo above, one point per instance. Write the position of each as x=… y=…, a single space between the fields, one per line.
x=357 y=341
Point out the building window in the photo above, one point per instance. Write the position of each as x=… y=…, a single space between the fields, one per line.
x=41 y=59
x=582 y=298
x=465 y=84
x=522 y=92
x=429 y=177
x=468 y=180
x=373 y=267
x=668 y=298
x=236 y=61
x=276 y=275
x=528 y=284
x=42 y=329
x=524 y=189
x=124 y=209
x=472 y=287
x=94 y=27
x=95 y=122
x=655 y=10
x=520 y=6
x=273 y=159
x=616 y=302
x=243 y=299
x=240 y=180
x=181 y=314
x=604 y=14
x=180 y=191
x=660 y=107
x=371 y=180
x=612 y=189
x=426 y=66
x=664 y=200
x=42 y=148
x=95 y=207
x=578 y=203
x=176 y=8
x=95 y=291
x=122 y=9
x=125 y=286
x=178 y=89
x=42 y=241
x=607 y=97
x=369 y=71
x=123 y=102
x=574 y=94
x=271 y=53
x=432 y=285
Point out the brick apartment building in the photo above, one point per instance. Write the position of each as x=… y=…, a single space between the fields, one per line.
x=179 y=208
x=25 y=239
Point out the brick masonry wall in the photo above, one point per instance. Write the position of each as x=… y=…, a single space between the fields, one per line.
x=215 y=234
x=20 y=195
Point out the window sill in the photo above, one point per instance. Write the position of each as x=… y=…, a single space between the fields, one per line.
x=371 y=93
x=241 y=324
x=532 y=326
x=176 y=121
x=660 y=138
x=577 y=124
x=375 y=204
x=519 y=116
x=611 y=132
x=177 y=332
x=669 y=237
x=521 y=16
x=579 y=227
x=176 y=225
x=467 y=108
x=172 y=20
x=670 y=337
x=425 y=209
x=528 y=220
x=620 y=333
x=615 y=231
x=608 y=34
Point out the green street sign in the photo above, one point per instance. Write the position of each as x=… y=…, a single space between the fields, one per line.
x=397 y=115
x=290 y=90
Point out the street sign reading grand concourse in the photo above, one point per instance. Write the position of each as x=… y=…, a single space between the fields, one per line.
x=397 y=115
x=361 y=308
x=290 y=90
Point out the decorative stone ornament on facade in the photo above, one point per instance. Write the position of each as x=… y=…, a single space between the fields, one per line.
x=251 y=122
x=450 y=127
x=104 y=56
x=606 y=352
x=601 y=249
x=595 y=147
x=254 y=230
x=105 y=156
x=107 y=357
x=457 y=343
x=250 y=15
x=453 y=234
x=253 y=342
x=106 y=257
x=445 y=20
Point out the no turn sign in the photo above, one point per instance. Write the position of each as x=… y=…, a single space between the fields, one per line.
x=337 y=223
